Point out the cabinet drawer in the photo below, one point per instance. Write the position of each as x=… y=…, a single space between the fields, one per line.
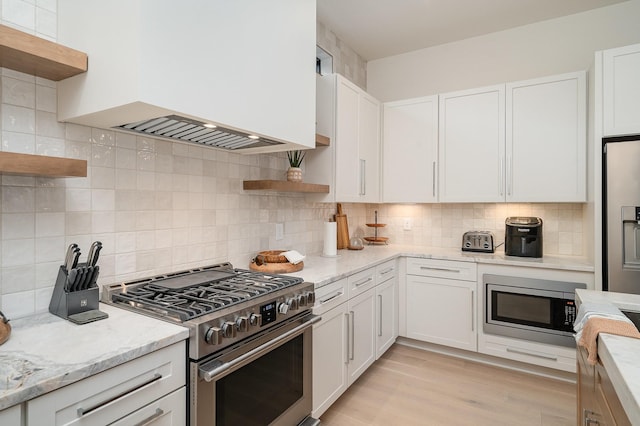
x=451 y=269
x=108 y=396
x=385 y=271
x=330 y=296
x=361 y=282
x=169 y=410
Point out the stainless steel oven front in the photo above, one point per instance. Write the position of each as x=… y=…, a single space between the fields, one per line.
x=265 y=380
x=530 y=309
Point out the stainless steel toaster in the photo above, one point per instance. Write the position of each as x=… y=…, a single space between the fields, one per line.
x=481 y=241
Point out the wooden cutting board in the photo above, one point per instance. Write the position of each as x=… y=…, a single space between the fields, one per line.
x=5 y=331
x=343 y=228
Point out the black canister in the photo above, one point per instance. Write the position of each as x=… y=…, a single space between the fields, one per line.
x=523 y=236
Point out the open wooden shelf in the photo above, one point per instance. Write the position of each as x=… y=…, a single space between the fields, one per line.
x=41 y=165
x=322 y=140
x=33 y=55
x=284 y=186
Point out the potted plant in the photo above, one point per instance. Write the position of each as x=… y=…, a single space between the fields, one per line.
x=294 y=174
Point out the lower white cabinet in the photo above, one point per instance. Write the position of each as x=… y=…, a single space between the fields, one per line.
x=11 y=416
x=440 y=302
x=144 y=388
x=359 y=322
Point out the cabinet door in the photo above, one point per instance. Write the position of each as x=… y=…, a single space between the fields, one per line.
x=11 y=416
x=346 y=141
x=386 y=315
x=410 y=151
x=621 y=90
x=329 y=359
x=441 y=311
x=369 y=148
x=169 y=410
x=361 y=334
x=471 y=145
x=546 y=139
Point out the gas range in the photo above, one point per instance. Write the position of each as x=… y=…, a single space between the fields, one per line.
x=219 y=304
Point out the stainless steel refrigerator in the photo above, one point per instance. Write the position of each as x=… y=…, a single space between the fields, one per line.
x=621 y=214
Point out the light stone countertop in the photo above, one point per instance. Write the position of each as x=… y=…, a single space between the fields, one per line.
x=619 y=355
x=322 y=270
x=46 y=352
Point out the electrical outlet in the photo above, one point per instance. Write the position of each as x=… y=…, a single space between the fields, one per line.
x=279 y=231
x=408 y=224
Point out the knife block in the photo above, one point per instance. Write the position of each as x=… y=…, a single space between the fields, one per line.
x=79 y=307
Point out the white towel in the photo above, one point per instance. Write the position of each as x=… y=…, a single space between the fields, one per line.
x=293 y=256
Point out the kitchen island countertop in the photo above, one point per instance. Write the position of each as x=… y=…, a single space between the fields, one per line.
x=46 y=352
x=619 y=355
x=322 y=270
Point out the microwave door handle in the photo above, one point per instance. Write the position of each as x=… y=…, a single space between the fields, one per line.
x=211 y=374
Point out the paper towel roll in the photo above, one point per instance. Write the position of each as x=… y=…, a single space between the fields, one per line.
x=330 y=239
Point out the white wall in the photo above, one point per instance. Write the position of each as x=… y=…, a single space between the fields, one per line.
x=550 y=47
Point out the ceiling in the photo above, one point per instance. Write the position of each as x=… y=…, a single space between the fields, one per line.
x=380 y=28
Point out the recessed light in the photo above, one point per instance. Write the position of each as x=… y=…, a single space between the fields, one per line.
x=254 y=137
x=210 y=126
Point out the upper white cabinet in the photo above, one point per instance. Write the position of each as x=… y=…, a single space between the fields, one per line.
x=410 y=151
x=546 y=139
x=520 y=142
x=621 y=90
x=351 y=164
x=247 y=66
x=471 y=145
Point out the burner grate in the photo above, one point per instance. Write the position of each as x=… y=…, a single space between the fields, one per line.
x=182 y=304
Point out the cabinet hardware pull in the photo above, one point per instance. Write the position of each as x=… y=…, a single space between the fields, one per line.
x=353 y=342
x=433 y=184
x=501 y=178
x=380 y=317
x=472 y=312
x=386 y=271
x=363 y=175
x=217 y=368
x=337 y=294
x=159 y=413
x=520 y=352
x=433 y=268
x=85 y=411
x=348 y=337
x=362 y=282
x=509 y=175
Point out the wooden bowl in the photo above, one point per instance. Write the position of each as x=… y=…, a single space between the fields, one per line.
x=270 y=256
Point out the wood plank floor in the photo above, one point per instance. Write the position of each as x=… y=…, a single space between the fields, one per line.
x=409 y=386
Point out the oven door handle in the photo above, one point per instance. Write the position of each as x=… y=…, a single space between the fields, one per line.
x=210 y=375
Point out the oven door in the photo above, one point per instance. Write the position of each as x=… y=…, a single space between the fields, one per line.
x=528 y=313
x=265 y=379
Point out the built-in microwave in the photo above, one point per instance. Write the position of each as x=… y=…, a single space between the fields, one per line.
x=530 y=309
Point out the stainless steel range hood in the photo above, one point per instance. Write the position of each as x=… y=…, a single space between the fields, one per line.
x=165 y=70
x=184 y=129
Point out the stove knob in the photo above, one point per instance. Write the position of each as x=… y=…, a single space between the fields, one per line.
x=311 y=298
x=302 y=300
x=293 y=303
x=255 y=319
x=242 y=323
x=283 y=308
x=229 y=329
x=213 y=336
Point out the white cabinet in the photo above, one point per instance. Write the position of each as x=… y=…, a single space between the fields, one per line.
x=351 y=164
x=118 y=392
x=621 y=90
x=523 y=142
x=410 y=150
x=11 y=416
x=546 y=139
x=330 y=378
x=386 y=306
x=361 y=320
x=471 y=145
x=441 y=302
